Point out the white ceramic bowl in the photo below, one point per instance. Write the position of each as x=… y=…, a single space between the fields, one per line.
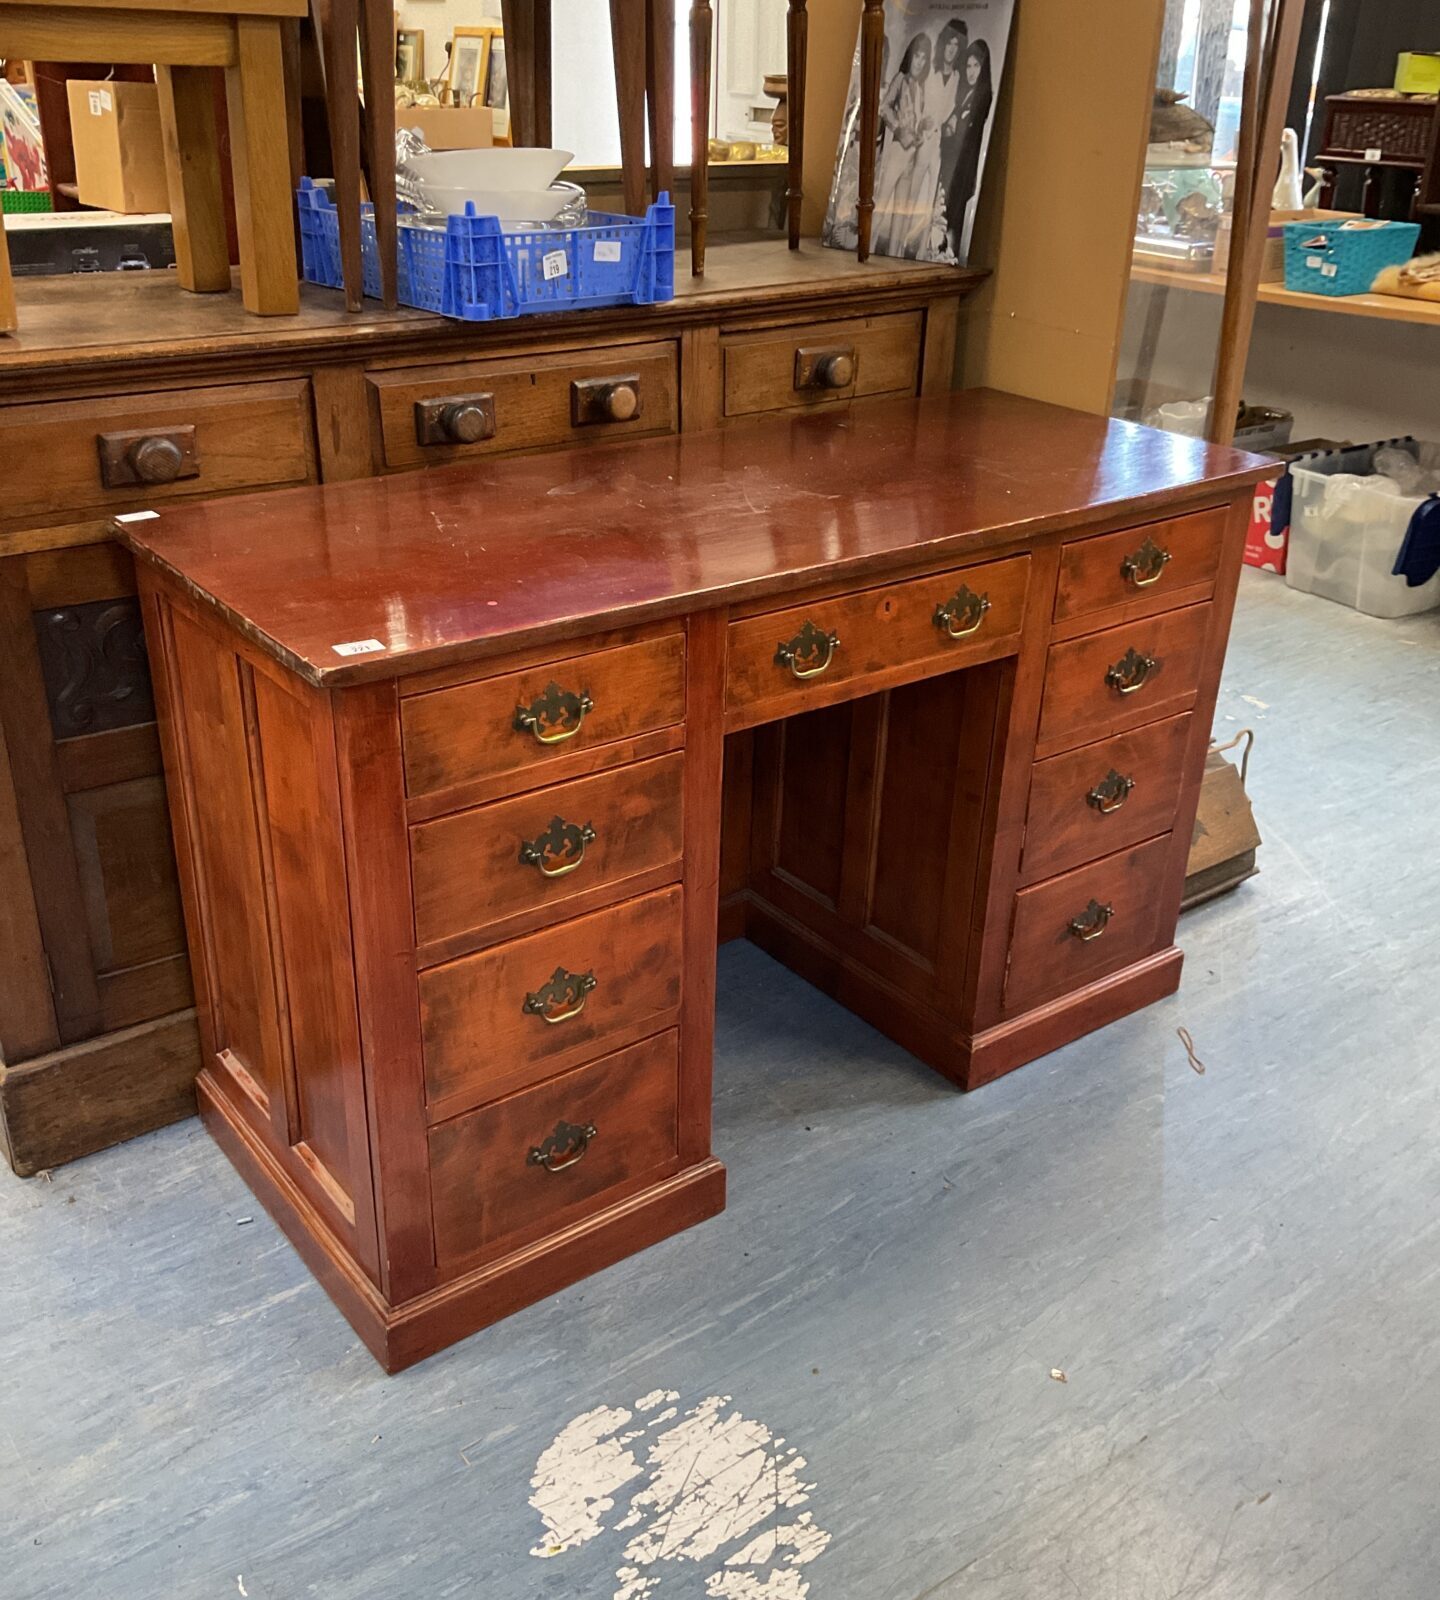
x=510 y=205
x=490 y=170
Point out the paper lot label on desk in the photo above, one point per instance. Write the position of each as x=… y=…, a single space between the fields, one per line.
x=358 y=647
x=712 y=1487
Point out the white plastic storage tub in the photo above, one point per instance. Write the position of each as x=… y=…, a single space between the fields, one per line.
x=1345 y=534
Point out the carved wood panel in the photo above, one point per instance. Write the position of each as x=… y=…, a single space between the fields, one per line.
x=93 y=659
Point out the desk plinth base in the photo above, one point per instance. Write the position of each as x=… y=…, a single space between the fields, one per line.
x=399 y=1336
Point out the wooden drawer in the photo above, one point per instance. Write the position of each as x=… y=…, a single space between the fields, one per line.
x=527 y=1166
x=535 y=855
x=1143 y=569
x=1103 y=797
x=1048 y=956
x=243 y=436
x=783 y=369
x=887 y=636
x=496 y=1021
x=529 y=403
x=458 y=735
x=1100 y=685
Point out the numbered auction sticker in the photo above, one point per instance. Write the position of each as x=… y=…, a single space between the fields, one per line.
x=357 y=647
x=556 y=264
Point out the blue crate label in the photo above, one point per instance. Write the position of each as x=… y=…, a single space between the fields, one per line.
x=555 y=264
x=607 y=249
x=1329 y=270
x=358 y=647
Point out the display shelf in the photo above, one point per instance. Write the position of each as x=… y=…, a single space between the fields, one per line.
x=1387 y=307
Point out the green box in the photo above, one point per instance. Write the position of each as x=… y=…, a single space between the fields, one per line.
x=1418 y=72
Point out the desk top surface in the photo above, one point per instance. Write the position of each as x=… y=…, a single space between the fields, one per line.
x=459 y=563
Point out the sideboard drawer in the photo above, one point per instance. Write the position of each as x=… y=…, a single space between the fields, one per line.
x=1108 y=682
x=512 y=1172
x=498 y=1020
x=146 y=449
x=1147 y=565
x=540 y=850
x=783 y=369
x=429 y=414
x=1071 y=930
x=1102 y=797
x=518 y=721
x=786 y=661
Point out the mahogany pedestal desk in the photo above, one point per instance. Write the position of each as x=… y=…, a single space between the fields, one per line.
x=469 y=769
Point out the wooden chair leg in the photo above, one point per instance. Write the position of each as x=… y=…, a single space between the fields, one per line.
x=518 y=20
x=660 y=95
x=9 y=318
x=872 y=43
x=192 y=174
x=702 y=27
x=377 y=62
x=629 y=46
x=264 y=203
x=796 y=49
x=338 y=33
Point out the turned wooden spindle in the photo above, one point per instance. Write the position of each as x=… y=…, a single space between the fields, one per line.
x=660 y=93
x=702 y=23
x=872 y=44
x=629 y=45
x=796 y=44
x=377 y=67
x=338 y=26
x=528 y=38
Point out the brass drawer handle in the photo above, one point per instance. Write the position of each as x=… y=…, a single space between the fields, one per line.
x=832 y=368
x=812 y=646
x=601 y=400
x=554 y=716
x=563 y=842
x=1091 y=922
x=141 y=456
x=567 y=989
x=964 y=607
x=1146 y=565
x=1130 y=672
x=1112 y=791
x=563 y=1148
x=455 y=419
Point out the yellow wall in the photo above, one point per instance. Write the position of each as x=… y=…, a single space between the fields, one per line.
x=1062 y=185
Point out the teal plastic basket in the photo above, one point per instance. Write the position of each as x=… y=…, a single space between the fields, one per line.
x=1331 y=259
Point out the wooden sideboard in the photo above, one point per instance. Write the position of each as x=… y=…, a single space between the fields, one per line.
x=121 y=394
x=471 y=769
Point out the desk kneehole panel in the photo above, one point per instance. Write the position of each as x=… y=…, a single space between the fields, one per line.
x=1076 y=928
x=529 y=1165
x=1103 y=797
x=1106 y=683
x=508 y=727
x=533 y=857
x=431 y=415
x=496 y=1021
x=1150 y=568
x=819 y=364
x=815 y=655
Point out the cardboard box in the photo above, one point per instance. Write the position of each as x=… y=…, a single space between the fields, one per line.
x=1418 y=72
x=450 y=127
x=119 y=154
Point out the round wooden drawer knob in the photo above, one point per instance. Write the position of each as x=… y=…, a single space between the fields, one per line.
x=622 y=402
x=465 y=423
x=156 y=460
x=835 y=372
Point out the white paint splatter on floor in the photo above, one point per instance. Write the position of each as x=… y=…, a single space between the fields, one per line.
x=713 y=1480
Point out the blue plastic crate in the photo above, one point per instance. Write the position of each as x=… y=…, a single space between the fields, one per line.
x=1329 y=258
x=475 y=270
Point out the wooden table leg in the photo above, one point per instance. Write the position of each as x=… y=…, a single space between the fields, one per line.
x=517 y=17
x=260 y=157
x=660 y=95
x=629 y=46
x=702 y=26
x=872 y=43
x=192 y=174
x=9 y=320
x=377 y=60
x=337 y=33
x=796 y=47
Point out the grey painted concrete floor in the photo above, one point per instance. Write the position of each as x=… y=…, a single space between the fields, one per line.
x=1239 y=1275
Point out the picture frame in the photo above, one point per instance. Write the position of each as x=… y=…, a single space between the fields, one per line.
x=497 y=79
x=409 y=55
x=469 y=70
